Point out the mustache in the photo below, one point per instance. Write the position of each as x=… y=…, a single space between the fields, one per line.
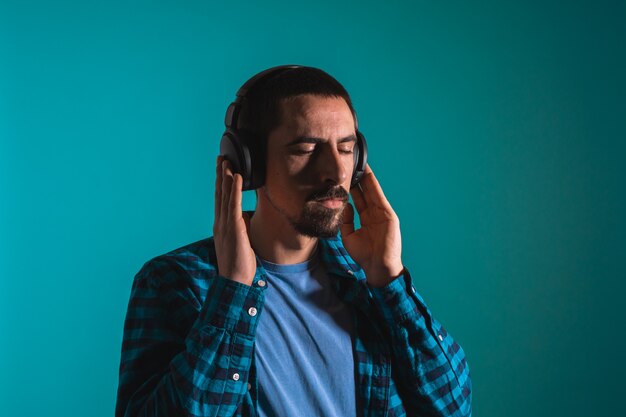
x=334 y=193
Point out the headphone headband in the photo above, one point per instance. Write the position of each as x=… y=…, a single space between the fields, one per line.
x=232 y=113
x=261 y=76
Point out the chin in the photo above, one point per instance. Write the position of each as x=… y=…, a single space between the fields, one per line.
x=316 y=221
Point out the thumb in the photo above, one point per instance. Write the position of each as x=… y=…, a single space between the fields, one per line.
x=347 y=224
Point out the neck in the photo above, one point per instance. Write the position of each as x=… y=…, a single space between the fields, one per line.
x=274 y=239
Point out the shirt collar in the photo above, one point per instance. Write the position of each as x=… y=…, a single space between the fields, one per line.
x=337 y=260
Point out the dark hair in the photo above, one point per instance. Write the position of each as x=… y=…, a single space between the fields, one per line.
x=261 y=110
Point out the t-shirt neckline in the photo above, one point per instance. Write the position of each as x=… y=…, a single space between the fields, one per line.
x=307 y=265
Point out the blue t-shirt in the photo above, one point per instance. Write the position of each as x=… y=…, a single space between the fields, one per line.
x=303 y=351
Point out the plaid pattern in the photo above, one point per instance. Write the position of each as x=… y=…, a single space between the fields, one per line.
x=188 y=347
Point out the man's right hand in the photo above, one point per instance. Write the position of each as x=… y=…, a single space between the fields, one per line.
x=235 y=257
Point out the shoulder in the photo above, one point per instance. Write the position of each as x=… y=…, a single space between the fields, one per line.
x=187 y=268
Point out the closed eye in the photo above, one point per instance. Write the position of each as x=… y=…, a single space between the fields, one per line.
x=307 y=152
x=302 y=140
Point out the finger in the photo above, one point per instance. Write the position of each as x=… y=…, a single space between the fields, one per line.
x=372 y=191
x=246 y=218
x=234 y=209
x=347 y=224
x=358 y=198
x=218 y=191
x=226 y=190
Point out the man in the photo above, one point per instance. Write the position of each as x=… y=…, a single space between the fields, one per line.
x=288 y=310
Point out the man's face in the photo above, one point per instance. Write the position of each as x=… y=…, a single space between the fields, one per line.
x=310 y=159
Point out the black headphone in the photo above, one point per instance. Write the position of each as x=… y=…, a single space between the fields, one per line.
x=242 y=148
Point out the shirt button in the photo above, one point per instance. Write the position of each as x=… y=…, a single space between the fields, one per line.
x=261 y=283
x=249 y=386
x=236 y=376
x=349 y=272
x=252 y=311
x=440 y=337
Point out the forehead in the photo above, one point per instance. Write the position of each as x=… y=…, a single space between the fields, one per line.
x=315 y=115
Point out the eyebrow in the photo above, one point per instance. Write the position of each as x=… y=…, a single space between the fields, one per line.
x=308 y=139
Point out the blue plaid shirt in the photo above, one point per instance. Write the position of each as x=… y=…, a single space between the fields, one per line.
x=189 y=333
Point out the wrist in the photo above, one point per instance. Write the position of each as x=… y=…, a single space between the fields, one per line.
x=379 y=277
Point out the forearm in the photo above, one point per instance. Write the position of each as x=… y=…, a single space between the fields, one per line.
x=198 y=382
x=431 y=367
x=169 y=367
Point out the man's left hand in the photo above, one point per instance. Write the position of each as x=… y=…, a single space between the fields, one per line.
x=377 y=245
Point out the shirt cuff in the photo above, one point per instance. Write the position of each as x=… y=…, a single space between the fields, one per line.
x=396 y=301
x=231 y=305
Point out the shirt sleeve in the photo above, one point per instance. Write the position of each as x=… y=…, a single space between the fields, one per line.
x=180 y=356
x=431 y=367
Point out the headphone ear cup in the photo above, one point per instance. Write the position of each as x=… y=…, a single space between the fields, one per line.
x=238 y=154
x=255 y=147
x=246 y=154
x=360 y=158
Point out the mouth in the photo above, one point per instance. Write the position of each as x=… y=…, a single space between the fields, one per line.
x=332 y=203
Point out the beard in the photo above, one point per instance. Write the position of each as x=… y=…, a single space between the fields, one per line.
x=318 y=221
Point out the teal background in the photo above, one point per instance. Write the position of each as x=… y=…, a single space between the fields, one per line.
x=497 y=131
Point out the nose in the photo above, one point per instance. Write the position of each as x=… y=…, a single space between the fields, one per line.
x=333 y=166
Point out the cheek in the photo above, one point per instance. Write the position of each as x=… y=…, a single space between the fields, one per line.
x=280 y=178
x=349 y=166
x=285 y=168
